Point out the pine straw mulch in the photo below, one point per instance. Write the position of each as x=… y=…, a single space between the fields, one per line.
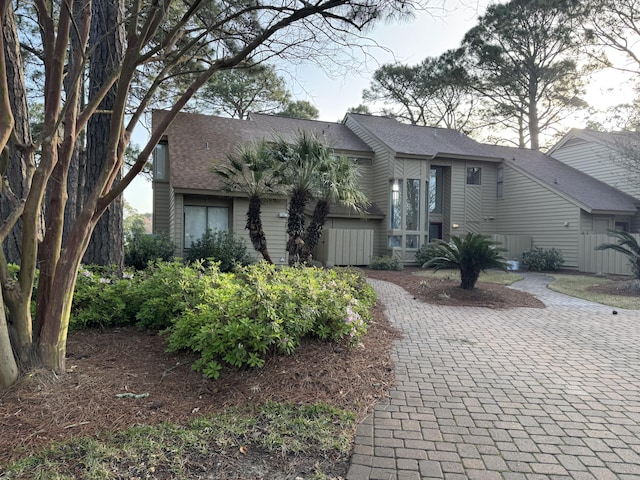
x=43 y=408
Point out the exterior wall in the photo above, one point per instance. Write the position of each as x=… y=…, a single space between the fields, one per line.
x=177 y=223
x=472 y=207
x=600 y=162
x=274 y=226
x=528 y=208
x=160 y=218
x=342 y=247
x=381 y=173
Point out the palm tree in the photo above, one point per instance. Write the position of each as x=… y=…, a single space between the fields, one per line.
x=250 y=169
x=302 y=163
x=338 y=183
x=627 y=245
x=471 y=255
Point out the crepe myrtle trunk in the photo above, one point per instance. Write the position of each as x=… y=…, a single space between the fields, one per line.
x=295 y=224
x=313 y=232
x=254 y=225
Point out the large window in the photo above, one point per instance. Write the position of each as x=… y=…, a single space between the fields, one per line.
x=474 y=176
x=395 y=218
x=412 y=205
x=198 y=219
x=434 y=190
x=500 y=183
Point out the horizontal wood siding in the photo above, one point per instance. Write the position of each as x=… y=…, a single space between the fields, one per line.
x=275 y=227
x=602 y=261
x=160 y=217
x=342 y=247
x=599 y=162
x=529 y=208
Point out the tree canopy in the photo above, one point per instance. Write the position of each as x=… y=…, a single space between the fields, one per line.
x=522 y=57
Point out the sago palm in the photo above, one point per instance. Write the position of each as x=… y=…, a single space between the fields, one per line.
x=250 y=170
x=338 y=182
x=627 y=245
x=471 y=255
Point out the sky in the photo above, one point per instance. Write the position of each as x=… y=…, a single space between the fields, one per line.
x=430 y=33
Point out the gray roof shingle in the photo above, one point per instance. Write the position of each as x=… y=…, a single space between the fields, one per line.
x=584 y=189
x=424 y=141
x=196 y=141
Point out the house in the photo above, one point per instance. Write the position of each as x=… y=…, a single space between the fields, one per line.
x=424 y=183
x=605 y=156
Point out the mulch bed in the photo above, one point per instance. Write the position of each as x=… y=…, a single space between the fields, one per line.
x=44 y=408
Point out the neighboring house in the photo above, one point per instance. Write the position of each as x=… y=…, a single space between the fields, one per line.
x=605 y=156
x=424 y=183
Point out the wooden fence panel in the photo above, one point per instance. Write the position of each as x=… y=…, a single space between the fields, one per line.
x=341 y=246
x=514 y=244
x=601 y=261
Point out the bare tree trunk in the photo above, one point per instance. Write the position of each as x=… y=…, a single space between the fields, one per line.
x=107 y=39
x=16 y=172
x=8 y=366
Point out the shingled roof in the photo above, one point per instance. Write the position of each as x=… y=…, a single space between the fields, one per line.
x=422 y=141
x=196 y=141
x=591 y=194
x=616 y=140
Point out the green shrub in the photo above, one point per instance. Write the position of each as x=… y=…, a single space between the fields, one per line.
x=261 y=310
x=101 y=301
x=426 y=252
x=385 y=263
x=220 y=246
x=542 y=260
x=142 y=249
x=471 y=255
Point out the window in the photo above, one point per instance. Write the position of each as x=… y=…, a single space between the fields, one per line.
x=622 y=226
x=500 y=183
x=411 y=241
x=412 y=205
x=473 y=175
x=160 y=161
x=434 y=190
x=395 y=217
x=435 y=231
x=395 y=241
x=198 y=219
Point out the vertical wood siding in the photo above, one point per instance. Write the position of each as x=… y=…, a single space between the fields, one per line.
x=160 y=217
x=345 y=247
x=601 y=261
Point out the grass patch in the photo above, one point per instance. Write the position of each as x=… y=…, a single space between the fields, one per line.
x=318 y=430
x=579 y=286
x=490 y=276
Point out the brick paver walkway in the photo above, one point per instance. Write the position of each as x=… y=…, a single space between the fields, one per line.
x=521 y=394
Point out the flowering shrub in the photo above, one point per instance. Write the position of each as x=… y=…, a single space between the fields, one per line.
x=261 y=310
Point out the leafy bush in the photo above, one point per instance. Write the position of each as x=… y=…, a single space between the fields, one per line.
x=219 y=246
x=542 y=260
x=385 y=263
x=262 y=310
x=150 y=299
x=101 y=301
x=471 y=255
x=142 y=249
x=426 y=252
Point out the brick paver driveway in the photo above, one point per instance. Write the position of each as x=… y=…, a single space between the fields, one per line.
x=521 y=394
